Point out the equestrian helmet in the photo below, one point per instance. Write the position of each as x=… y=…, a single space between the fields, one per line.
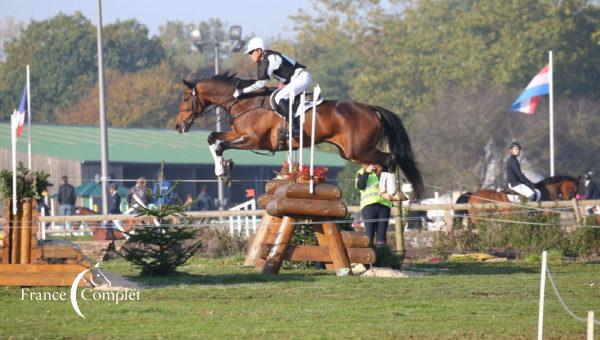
x=255 y=43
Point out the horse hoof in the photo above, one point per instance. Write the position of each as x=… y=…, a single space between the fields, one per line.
x=229 y=165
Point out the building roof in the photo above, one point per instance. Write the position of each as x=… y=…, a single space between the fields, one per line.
x=81 y=143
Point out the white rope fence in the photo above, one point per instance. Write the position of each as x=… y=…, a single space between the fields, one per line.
x=545 y=272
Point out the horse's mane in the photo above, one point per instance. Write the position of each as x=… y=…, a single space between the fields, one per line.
x=231 y=77
x=556 y=179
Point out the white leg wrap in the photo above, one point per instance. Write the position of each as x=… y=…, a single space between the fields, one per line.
x=219 y=170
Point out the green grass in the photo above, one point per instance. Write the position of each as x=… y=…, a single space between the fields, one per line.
x=219 y=298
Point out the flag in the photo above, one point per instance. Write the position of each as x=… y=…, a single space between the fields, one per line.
x=20 y=113
x=529 y=99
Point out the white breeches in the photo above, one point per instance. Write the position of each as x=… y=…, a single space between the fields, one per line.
x=526 y=191
x=300 y=81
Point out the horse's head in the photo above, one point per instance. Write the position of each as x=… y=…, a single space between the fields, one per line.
x=191 y=107
x=569 y=187
x=559 y=187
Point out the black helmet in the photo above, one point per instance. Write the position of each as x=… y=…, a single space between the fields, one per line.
x=515 y=143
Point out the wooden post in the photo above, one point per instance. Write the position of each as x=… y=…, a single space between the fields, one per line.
x=577 y=211
x=282 y=239
x=338 y=252
x=397 y=213
x=26 y=232
x=322 y=241
x=15 y=236
x=7 y=209
x=259 y=238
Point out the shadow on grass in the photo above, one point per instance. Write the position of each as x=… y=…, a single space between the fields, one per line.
x=183 y=278
x=474 y=268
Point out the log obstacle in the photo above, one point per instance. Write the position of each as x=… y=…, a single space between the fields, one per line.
x=25 y=261
x=287 y=204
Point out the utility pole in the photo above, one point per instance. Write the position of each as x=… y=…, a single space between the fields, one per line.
x=103 y=132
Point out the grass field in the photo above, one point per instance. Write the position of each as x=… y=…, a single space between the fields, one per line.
x=219 y=298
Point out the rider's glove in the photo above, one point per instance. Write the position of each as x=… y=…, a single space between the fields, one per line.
x=237 y=93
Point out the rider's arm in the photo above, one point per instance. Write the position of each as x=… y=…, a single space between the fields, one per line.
x=264 y=72
x=523 y=178
x=259 y=84
x=361 y=180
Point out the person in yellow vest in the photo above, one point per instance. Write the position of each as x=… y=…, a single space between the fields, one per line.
x=375 y=201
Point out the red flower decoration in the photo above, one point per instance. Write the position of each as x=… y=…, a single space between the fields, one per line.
x=302 y=176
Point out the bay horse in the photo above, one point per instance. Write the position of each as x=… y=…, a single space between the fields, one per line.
x=356 y=129
x=552 y=189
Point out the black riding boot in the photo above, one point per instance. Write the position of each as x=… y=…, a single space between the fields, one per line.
x=284 y=110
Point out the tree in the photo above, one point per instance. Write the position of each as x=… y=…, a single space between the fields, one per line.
x=62 y=55
x=10 y=29
x=147 y=98
x=128 y=47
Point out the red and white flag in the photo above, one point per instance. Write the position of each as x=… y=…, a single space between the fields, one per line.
x=20 y=113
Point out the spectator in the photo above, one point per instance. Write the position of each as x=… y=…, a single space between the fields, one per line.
x=138 y=194
x=161 y=190
x=189 y=202
x=114 y=208
x=205 y=201
x=375 y=202
x=591 y=188
x=66 y=198
x=591 y=192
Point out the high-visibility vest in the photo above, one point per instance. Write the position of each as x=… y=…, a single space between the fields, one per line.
x=371 y=193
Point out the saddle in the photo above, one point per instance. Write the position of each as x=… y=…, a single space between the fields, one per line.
x=309 y=103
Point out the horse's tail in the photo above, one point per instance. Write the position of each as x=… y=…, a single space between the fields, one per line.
x=459 y=214
x=399 y=144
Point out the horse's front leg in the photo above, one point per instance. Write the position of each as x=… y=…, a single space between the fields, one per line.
x=218 y=143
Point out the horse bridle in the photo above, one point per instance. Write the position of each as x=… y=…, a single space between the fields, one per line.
x=197 y=102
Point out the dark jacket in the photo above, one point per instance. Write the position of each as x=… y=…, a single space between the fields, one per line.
x=514 y=176
x=114 y=203
x=205 y=202
x=66 y=194
x=591 y=191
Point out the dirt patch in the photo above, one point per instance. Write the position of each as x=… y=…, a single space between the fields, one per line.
x=360 y=270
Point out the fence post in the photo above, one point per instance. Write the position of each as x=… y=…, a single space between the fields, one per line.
x=590 y=325
x=542 y=291
x=577 y=211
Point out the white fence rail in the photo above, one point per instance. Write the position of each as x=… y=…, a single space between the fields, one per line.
x=246 y=223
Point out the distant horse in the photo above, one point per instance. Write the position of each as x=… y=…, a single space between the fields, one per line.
x=551 y=188
x=100 y=233
x=356 y=129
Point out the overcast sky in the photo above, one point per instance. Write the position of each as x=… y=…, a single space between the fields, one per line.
x=266 y=18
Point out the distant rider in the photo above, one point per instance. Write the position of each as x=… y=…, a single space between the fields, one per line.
x=271 y=64
x=517 y=181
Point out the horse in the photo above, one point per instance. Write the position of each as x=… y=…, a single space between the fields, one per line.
x=551 y=189
x=356 y=129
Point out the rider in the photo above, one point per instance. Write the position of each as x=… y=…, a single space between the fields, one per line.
x=517 y=181
x=275 y=64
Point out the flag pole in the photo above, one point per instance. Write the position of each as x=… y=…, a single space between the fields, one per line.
x=13 y=139
x=551 y=90
x=28 y=121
